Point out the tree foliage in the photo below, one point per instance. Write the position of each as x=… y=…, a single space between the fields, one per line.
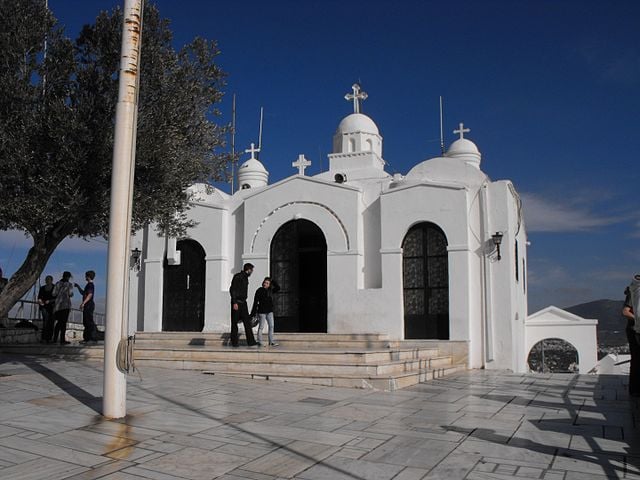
x=57 y=123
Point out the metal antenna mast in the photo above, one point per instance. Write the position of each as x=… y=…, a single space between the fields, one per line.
x=233 y=143
x=260 y=132
x=441 y=131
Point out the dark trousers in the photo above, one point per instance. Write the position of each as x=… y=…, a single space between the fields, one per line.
x=634 y=365
x=47 y=323
x=241 y=315
x=89 y=333
x=60 y=329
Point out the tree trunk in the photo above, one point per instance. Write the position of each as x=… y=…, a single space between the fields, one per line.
x=24 y=278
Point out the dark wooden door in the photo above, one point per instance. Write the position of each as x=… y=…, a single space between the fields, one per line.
x=299 y=265
x=425 y=276
x=184 y=290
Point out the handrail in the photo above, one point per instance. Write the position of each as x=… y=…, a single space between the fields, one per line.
x=98 y=317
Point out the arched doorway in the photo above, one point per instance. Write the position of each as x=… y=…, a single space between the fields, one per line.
x=425 y=275
x=299 y=265
x=184 y=290
x=553 y=355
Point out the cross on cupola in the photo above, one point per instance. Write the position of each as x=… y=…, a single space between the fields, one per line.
x=356 y=96
x=461 y=130
x=301 y=164
x=253 y=150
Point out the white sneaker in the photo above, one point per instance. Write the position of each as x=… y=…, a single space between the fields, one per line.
x=274 y=344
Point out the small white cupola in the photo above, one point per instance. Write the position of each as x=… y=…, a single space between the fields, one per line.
x=464 y=149
x=357 y=132
x=252 y=173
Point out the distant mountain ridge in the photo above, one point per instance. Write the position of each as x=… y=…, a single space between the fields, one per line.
x=611 y=323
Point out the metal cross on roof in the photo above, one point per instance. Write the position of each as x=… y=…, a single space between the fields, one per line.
x=461 y=130
x=253 y=150
x=301 y=164
x=356 y=96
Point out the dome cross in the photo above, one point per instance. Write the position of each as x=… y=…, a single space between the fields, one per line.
x=461 y=130
x=356 y=96
x=253 y=150
x=301 y=164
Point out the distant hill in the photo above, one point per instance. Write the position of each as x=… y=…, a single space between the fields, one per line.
x=611 y=323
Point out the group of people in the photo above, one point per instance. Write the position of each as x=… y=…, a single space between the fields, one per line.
x=55 y=305
x=262 y=307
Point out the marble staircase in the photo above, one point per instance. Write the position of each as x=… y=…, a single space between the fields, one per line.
x=353 y=360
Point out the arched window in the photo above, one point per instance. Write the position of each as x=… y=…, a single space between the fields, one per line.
x=352 y=145
x=425 y=283
x=369 y=145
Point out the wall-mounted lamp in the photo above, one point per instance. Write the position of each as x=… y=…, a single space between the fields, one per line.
x=497 y=240
x=135 y=259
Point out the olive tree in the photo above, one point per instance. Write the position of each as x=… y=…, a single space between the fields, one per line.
x=57 y=122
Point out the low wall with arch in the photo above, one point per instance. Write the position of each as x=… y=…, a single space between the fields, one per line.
x=553 y=322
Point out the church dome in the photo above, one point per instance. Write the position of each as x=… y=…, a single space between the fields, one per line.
x=252 y=174
x=205 y=193
x=462 y=146
x=355 y=123
x=466 y=150
x=442 y=169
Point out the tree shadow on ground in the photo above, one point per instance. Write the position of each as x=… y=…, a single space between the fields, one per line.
x=577 y=417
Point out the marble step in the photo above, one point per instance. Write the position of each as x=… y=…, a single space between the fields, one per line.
x=458 y=349
x=376 y=382
x=322 y=340
x=308 y=367
x=74 y=350
x=283 y=354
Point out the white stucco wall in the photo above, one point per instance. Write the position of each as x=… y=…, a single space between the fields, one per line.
x=553 y=322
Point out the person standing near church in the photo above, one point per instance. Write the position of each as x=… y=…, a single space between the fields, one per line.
x=63 y=291
x=634 y=345
x=46 y=302
x=263 y=307
x=88 y=306
x=239 y=308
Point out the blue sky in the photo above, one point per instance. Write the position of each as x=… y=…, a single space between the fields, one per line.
x=548 y=88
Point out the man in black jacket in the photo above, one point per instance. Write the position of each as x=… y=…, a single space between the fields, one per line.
x=239 y=309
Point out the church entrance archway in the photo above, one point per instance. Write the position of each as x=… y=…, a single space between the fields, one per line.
x=425 y=276
x=184 y=290
x=299 y=265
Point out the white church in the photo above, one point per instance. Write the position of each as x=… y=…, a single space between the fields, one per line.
x=437 y=253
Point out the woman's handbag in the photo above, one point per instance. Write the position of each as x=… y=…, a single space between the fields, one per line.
x=255 y=320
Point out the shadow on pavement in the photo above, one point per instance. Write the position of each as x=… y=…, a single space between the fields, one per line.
x=614 y=464
x=81 y=395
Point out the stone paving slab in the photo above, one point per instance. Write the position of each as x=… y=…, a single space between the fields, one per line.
x=187 y=425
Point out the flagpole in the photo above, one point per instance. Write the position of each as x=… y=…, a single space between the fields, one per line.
x=115 y=381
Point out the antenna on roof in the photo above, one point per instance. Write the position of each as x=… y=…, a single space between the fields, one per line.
x=260 y=132
x=441 y=131
x=233 y=143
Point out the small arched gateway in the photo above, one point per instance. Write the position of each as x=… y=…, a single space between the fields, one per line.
x=184 y=290
x=299 y=265
x=554 y=323
x=425 y=278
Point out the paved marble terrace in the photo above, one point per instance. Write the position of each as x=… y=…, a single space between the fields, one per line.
x=188 y=425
